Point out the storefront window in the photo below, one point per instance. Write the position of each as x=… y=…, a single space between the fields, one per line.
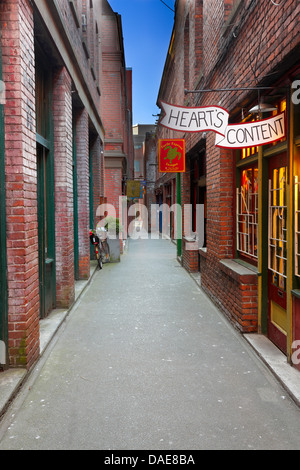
x=277 y=228
x=247 y=214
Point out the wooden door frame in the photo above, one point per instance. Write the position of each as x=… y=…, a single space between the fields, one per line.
x=46 y=142
x=276 y=294
x=45 y=199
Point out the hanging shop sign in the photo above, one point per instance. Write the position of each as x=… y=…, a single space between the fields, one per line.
x=172 y=155
x=214 y=118
x=207 y=118
x=253 y=134
x=133 y=189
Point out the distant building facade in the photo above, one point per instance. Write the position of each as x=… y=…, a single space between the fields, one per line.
x=116 y=105
x=144 y=165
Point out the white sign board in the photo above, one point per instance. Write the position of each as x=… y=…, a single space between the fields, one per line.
x=215 y=118
x=207 y=118
x=253 y=134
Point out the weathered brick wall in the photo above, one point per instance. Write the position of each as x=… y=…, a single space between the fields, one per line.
x=95 y=152
x=86 y=59
x=233 y=292
x=18 y=50
x=63 y=167
x=82 y=146
x=112 y=98
x=21 y=181
x=252 y=45
x=250 y=48
x=228 y=43
x=113 y=183
x=115 y=103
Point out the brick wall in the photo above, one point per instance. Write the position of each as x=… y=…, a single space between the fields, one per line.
x=82 y=146
x=97 y=162
x=21 y=181
x=227 y=43
x=233 y=289
x=112 y=98
x=235 y=56
x=115 y=105
x=113 y=183
x=87 y=59
x=63 y=161
x=18 y=52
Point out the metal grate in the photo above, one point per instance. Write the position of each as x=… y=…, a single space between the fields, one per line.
x=247 y=221
x=277 y=228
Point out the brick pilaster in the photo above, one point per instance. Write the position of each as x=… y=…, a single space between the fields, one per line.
x=63 y=160
x=82 y=146
x=21 y=181
x=97 y=181
x=113 y=184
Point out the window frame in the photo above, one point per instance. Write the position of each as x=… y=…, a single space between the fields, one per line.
x=250 y=218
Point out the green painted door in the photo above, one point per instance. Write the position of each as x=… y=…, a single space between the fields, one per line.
x=45 y=181
x=75 y=205
x=45 y=232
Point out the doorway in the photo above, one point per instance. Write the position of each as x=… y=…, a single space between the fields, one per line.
x=45 y=232
x=277 y=245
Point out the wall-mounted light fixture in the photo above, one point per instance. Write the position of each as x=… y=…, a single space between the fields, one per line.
x=262 y=108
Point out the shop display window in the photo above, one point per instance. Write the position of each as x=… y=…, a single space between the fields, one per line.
x=247 y=214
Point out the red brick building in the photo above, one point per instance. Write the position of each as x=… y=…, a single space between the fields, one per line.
x=235 y=55
x=116 y=106
x=52 y=173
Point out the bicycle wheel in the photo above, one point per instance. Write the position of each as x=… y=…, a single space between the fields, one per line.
x=98 y=256
x=106 y=251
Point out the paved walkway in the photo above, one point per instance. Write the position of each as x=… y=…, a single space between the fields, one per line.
x=146 y=361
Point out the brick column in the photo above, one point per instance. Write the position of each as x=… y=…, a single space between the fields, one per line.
x=219 y=201
x=97 y=183
x=113 y=183
x=82 y=146
x=63 y=160
x=21 y=181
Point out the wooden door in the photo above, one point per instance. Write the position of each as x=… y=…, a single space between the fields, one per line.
x=277 y=269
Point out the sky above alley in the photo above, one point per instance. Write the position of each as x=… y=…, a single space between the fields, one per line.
x=147 y=27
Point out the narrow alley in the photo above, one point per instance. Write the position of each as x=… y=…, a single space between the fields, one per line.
x=145 y=361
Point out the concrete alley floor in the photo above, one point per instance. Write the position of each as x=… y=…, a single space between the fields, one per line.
x=146 y=361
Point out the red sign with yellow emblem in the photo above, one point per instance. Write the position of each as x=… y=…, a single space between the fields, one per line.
x=172 y=155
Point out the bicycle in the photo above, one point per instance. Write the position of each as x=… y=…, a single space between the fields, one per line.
x=101 y=247
x=104 y=246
